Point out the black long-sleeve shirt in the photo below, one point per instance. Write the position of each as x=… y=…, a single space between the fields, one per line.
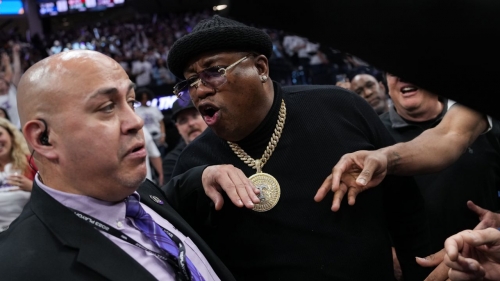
x=300 y=239
x=170 y=160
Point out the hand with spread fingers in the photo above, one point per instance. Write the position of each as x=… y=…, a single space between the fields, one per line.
x=354 y=173
x=487 y=218
x=20 y=180
x=233 y=182
x=473 y=255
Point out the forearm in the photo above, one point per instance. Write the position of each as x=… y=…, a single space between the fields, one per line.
x=428 y=153
x=7 y=71
x=16 y=62
x=439 y=147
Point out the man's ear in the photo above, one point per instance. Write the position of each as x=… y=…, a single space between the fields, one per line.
x=37 y=136
x=262 y=65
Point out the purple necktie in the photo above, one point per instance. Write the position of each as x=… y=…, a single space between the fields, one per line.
x=155 y=233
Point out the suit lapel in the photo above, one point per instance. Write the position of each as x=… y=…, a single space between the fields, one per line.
x=93 y=249
x=149 y=189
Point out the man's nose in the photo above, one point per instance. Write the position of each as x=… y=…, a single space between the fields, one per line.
x=202 y=90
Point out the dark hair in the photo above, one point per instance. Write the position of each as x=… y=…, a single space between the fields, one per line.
x=143 y=90
x=5 y=113
x=377 y=74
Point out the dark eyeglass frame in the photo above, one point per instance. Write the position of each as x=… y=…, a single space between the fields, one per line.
x=179 y=88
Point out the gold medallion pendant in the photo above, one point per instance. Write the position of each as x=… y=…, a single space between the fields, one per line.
x=269 y=188
x=269 y=191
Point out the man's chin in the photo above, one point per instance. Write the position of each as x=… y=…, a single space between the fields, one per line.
x=194 y=135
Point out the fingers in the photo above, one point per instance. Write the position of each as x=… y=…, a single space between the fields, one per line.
x=439 y=273
x=15 y=180
x=339 y=169
x=432 y=260
x=245 y=188
x=465 y=276
x=476 y=209
x=323 y=189
x=367 y=173
x=216 y=197
x=351 y=196
x=475 y=238
x=465 y=269
x=462 y=264
x=213 y=178
x=237 y=186
x=337 y=197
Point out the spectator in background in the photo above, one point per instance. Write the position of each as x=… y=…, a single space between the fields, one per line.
x=9 y=78
x=190 y=125
x=17 y=171
x=4 y=113
x=153 y=159
x=161 y=74
x=320 y=67
x=280 y=66
x=56 y=48
x=141 y=70
x=152 y=116
x=373 y=91
x=296 y=49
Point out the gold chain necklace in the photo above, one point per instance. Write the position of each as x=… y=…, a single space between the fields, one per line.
x=269 y=187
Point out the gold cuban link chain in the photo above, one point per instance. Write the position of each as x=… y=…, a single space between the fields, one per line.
x=259 y=163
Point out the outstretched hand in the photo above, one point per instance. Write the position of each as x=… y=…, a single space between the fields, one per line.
x=474 y=255
x=487 y=218
x=233 y=182
x=354 y=173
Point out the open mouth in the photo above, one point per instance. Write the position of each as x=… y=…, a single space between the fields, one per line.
x=210 y=113
x=408 y=89
x=136 y=149
x=208 y=110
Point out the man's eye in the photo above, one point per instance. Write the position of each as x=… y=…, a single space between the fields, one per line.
x=108 y=108
x=133 y=104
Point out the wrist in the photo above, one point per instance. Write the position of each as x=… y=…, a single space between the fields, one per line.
x=392 y=157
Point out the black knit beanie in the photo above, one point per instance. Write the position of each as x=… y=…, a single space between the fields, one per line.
x=217 y=33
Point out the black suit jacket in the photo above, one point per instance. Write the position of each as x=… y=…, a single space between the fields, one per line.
x=48 y=242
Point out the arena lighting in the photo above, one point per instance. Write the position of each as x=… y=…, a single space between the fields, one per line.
x=220 y=7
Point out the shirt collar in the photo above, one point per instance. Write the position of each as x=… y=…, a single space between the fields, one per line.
x=398 y=122
x=108 y=212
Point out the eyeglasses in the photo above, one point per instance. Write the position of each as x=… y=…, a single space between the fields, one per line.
x=212 y=77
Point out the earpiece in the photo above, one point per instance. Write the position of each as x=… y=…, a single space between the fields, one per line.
x=44 y=136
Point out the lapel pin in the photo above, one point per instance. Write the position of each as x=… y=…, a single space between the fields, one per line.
x=156 y=199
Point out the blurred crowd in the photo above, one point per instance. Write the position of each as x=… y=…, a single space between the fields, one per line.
x=141 y=46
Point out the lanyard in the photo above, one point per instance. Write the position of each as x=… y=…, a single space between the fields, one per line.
x=176 y=262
